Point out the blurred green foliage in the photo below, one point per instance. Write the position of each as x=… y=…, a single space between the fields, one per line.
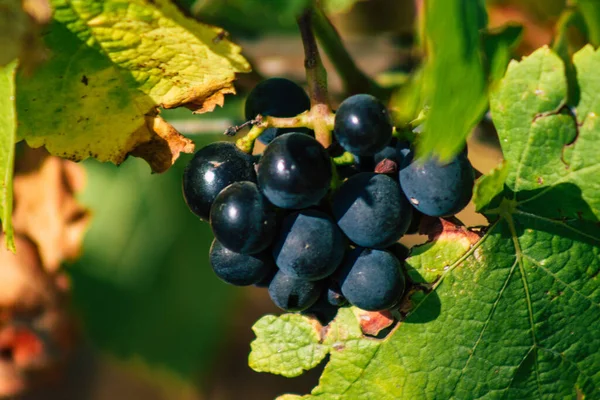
x=144 y=286
x=247 y=18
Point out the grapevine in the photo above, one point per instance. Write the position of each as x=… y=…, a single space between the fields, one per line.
x=394 y=199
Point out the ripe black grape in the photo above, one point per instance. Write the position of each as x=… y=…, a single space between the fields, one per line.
x=291 y=293
x=294 y=171
x=371 y=279
x=334 y=294
x=276 y=97
x=438 y=189
x=362 y=125
x=310 y=245
x=240 y=269
x=388 y=152
x=213 y=168
x=371 y=210
x=242 y=219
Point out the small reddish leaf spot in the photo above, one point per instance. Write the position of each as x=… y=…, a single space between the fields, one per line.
x=449 y=230
x=373 y=322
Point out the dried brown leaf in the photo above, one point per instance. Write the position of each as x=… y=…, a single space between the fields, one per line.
x=46 y=210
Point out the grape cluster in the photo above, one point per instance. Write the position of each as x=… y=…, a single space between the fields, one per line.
x=277 y=222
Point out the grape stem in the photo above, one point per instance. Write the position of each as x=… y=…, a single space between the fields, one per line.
x=316 y=76
x=345 y=158
x=355 y=81
x=319 y=118
x=308 y=119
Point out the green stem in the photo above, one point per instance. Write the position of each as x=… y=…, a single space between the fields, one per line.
x=246 y=144
x=316 y=77
x=344 y=159
x=355 y=81
x=260 y=124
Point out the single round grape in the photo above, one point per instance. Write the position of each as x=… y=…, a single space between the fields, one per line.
x=334 y=294
x=436 y=189
x=310 y=245
x=294 y=171
x=371 y=210
x=276 y=97
x=291 y=293
x=389 y=152
x=240 y=269
x=213 y=168
x=242 y=219
x=362 y=125
x=371 y=279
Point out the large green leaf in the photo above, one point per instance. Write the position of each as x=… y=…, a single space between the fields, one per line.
x=8 y=128
x=113 y=64
x=517 y=314
x=454 y=80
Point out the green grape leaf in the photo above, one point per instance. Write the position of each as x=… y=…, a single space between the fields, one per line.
x=112 y=65
x=488 y=188
x=554 y=176
x=8 y=130
x=287 y=345
x=511 y=311
x=454 y=82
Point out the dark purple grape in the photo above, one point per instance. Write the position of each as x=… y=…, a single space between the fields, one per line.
x=438 y=189
x=310 y=245
x=389 y=152
x=371 y=210
x=294 y=171
x=291 y=293
x=362 y=125
x=276 y=97
x=240 y=269
x=213 y=168
x=371 y=279
x=334 y=294
x=242 y=219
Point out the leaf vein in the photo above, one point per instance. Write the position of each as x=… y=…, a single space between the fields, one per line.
x=519 y=255
x=557 y=222
x=486 y=324
x=546 y=270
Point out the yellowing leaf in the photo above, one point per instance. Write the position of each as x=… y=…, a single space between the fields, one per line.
x=112 y=64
